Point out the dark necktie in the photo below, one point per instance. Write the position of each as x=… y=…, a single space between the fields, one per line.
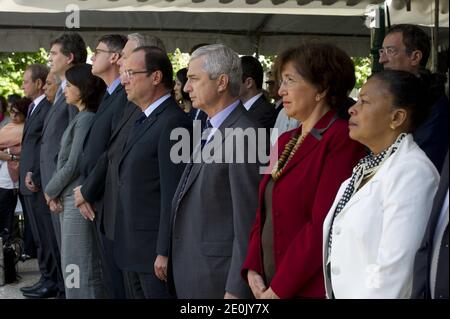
x=30 y=109
x=206 y=133
x=140 y=120
x=191 y=164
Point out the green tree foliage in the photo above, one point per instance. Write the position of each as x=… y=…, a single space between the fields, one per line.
x=12 y=66
x=362 y=70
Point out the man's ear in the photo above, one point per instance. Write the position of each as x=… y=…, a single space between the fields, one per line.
x=114 y=58
x=248 y=82
x=222 y=82
x=39 y=84
x=70 y=58
x=416 y=57
x=157 y=77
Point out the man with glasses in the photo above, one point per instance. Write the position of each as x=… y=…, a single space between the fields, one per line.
x=406 y=47
x=109 y=113
x=147 y=175
x=101 y=186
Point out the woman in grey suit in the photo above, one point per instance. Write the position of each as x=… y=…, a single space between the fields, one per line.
x=79 y=255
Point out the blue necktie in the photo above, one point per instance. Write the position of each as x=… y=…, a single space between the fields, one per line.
x=204 y=138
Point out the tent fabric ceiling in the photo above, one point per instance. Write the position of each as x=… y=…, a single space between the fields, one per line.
x=248 y=26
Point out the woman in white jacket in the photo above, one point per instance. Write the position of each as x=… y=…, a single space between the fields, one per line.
x=378 y=218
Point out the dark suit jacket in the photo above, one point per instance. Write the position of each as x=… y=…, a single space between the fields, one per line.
x=212 y=217
x=56 y=121
x=432 y=135
x=31 y=145
x=147 y=181
x=106 y=119
x=301 y=199
x=263 y=112
x=101 y=186
x=422 y=262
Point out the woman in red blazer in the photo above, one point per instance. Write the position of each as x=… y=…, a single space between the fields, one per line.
x=284 y=258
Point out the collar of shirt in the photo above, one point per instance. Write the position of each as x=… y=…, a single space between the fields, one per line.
x=149 y=110
x=113 y=86
x=220 y=117
x=38 y=100
x=250 y=102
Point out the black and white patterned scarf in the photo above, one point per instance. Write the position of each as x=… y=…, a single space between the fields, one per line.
x=365 y=168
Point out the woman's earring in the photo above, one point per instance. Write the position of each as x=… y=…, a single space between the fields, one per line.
x=392 y=126
x=317 y=98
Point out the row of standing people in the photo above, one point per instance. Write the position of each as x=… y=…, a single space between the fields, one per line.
x=188 y=227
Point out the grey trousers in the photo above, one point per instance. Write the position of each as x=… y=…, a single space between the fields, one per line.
x=80 y=258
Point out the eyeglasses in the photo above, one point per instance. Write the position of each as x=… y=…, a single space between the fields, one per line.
x=130 y=73
x=389 y=51
x=97 y=51
x=287 y=82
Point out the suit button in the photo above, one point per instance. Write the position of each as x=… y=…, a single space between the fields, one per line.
x=278 y=252
x=335 y=270
x=276 y=214
x=337 y=230
x=277 y=232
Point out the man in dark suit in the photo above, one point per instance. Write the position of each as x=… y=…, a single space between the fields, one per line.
x=104 y=65
x=147 y=174
x=259 y=108
x=39 y=219
x=406 y=47
x=101 y=186
x=430 y=279
x=215 y=203
x=66 y=50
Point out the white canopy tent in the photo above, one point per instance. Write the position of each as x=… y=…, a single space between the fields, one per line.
x=248 y=26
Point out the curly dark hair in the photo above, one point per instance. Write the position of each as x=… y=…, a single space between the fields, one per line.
x=91 y=87
x=21 y=105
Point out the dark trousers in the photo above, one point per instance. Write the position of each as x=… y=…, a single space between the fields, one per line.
x=29 y=246
x=144 y=286
x=112 y=275
x=8 y=202
x=48 y=255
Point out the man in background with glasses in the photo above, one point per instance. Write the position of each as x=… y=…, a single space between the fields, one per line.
x=406 y=47
x=109 y=113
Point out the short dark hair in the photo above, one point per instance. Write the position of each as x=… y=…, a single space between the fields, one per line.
x=414 y=38
x=252 y=68
x=157 y=59
x=91 y=87
x=3 y=104
x=114 y=42
x=409 y=92
x=182 y=77
x=38 y=72
x=72 y=43
x=325 y=66
x=21 y=105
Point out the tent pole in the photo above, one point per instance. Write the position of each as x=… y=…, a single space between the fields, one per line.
x=435 y=36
